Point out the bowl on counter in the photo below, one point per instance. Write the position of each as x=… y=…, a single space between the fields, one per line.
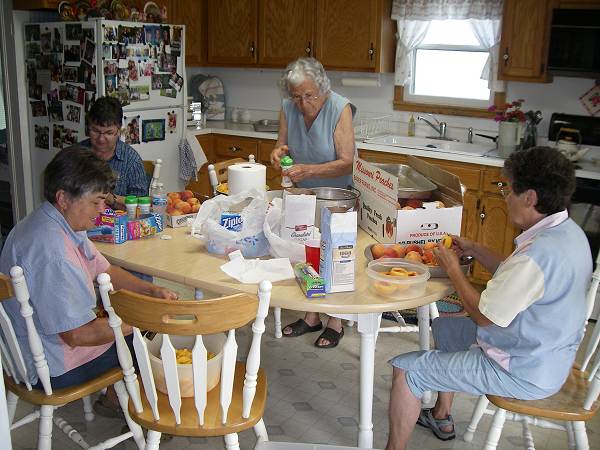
x=397 y=278
x=347 y=199
x=266 y=126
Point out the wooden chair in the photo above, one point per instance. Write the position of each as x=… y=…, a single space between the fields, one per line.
x=217 y=172
x=16 y=377
x=575 y=403
x=239 y=402
x=152 y=169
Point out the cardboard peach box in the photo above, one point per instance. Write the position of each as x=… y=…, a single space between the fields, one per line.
x=181 y=208
x=381 y=216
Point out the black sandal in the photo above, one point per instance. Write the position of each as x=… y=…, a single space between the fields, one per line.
x=300 y=327
x=332 y=336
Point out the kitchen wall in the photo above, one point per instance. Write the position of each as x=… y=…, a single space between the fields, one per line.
x=256 y=89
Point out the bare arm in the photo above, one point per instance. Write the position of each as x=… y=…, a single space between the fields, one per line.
x=486 y=257
x=281 y=147
x=121 y=279
x=96 y=332
x=343 y=139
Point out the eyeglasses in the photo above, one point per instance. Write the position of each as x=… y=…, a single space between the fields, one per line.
x=108 y=133
x=308 y=97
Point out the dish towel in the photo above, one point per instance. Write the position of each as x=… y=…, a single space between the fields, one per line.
x=191 y=157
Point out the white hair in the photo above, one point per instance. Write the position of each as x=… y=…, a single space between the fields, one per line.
x=297 y=72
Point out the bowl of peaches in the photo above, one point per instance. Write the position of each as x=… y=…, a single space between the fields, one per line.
x=397 y=278
x=416 y=253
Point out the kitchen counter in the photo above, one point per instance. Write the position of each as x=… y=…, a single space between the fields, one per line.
x=587 y=168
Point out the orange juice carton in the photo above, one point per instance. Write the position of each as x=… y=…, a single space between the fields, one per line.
x=338 y=249
x=111 y=227
x=144 y=226
x=309 y=280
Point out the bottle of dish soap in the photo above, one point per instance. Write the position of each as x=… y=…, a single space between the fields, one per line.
x=411 y=126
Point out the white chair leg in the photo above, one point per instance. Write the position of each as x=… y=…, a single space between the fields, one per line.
x=277 y=314
x=527 y=436
x=475 y=418
x=153 y=440
x=261 y=431
x=71 y=432
x=350 y=323
x=138 y=435
x=231 y=441
x=433 y=311
x=88 y=411
x=570 y=435
x=581 y=439
x=11 y=405
x=45 y=428
x=493 y=437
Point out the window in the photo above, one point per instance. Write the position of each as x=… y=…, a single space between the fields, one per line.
x=447 y=67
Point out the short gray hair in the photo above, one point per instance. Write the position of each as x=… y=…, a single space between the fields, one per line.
x=299 y=71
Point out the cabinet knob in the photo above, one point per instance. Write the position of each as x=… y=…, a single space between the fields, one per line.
x=308 y=49
x=234 y=149
x=505 y=56
x=371 y=51
x=252 y=49
x=482 y=215
x=498 y=183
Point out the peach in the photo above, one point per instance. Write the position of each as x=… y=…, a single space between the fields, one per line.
x=415 y=203
x=196 y=208
x=184 y=207
x=169 y=201
x=447 y=241
x=407 y=207
x=174 y=196
x=414 y=248
x=390 y=252
x=400 y=252
x=429 y=258
x=377 y=250
x=429 y=246
x=176 y=212
x=413 y=257
x=170 y=209
x=439 y=204
x=193 y=201
x=185 y=195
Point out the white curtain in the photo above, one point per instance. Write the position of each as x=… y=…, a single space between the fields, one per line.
x=488 y=35
x=413 y=18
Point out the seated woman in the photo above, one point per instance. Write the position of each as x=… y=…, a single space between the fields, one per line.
x=316 y=131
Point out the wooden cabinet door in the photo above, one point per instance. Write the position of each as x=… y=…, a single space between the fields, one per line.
x=192 y=14
x=232 y=32
x=286 y=31
x=230 y=147
x=525 y=39
x=347 y=34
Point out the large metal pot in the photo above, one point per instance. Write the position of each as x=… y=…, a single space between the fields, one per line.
x=331 y=196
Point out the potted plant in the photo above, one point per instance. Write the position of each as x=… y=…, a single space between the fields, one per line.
x=509 y=120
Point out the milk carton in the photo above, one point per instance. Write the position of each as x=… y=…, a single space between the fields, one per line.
x=298 y=215
x=338 y=249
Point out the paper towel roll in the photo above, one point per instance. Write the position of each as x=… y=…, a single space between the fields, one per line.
x=244 y=176
x=361 y=82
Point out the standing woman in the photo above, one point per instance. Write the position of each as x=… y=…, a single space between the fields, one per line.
x=315 y=129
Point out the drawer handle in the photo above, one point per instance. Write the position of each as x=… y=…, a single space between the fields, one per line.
x=235 y=149
x=498 y=183
x=482 y=215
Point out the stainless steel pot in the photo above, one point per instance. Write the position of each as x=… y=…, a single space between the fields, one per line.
x=347 y=199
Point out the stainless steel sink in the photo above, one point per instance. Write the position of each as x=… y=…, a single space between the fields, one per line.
x=435 y=145
x=266 y=126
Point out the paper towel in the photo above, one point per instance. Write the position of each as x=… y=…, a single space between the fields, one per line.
x=245 y=176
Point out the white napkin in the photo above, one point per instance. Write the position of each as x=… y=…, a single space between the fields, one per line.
x=252 y=271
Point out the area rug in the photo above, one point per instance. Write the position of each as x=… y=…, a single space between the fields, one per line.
x=450 y=305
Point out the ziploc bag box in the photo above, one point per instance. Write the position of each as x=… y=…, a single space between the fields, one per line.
x=380 y=214
x=111 y=227
x=309 y=280
x=338 y=249
x=144 y=226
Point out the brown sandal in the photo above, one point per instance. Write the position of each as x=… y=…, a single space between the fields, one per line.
x=332 y=336
x=300 y=327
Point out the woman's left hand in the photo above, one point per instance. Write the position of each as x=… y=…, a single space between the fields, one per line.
x=447 y=258
x=162 y=292
x=299 y=172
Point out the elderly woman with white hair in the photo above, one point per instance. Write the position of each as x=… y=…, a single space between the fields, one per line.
x=316 y=131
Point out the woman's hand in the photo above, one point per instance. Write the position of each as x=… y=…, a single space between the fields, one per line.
x=447 y=258
x=276 y=154
x=299 y=172
x=163 y=292
x=463 y=246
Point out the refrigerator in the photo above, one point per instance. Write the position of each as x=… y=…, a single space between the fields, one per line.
x=70 y=64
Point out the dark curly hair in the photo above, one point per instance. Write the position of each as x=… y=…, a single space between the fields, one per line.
x=545 y=170
x=105 y=112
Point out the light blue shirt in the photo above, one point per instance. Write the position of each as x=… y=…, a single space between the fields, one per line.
x=316 y=145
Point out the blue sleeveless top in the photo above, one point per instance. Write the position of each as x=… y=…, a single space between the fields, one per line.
x=316 y=145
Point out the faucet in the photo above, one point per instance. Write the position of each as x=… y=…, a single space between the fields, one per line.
x=440 y=128
x=470 y=135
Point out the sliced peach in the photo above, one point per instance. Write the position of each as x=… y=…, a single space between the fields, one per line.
x=383 y=288
x=413 y=256
x=447 y=241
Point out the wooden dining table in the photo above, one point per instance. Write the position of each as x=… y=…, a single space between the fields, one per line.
x=183 y=259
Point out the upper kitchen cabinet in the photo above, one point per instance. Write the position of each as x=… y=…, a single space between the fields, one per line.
x=355 y=35
x=232 y=32
x=524 y=41
x=193 y=16
x=285 y=30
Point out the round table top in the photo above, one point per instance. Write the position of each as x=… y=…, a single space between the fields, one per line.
x=184 y=259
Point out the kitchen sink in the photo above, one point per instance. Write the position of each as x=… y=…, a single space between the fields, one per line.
x=435 y=145
x=267 y=125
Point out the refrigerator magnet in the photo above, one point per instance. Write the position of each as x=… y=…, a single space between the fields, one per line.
x=153 y=130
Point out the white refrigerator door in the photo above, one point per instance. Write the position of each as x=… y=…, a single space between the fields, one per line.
x=157 y=139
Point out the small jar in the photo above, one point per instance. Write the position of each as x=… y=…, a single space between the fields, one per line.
x=131 y=204
x=286 y=163
x=144 y=203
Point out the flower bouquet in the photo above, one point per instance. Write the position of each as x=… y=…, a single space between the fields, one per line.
x=510 y=113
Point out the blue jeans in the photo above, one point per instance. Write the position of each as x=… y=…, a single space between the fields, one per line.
x=90 y=370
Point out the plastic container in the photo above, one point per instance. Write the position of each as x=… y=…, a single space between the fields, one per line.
x=411 y=126
x=131 y=204
x=393 y=286
x=144 y=204
x=159 y=200
x=286 y=163
x=213 y=343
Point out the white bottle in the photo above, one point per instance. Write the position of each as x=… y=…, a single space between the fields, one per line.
x=159 y=199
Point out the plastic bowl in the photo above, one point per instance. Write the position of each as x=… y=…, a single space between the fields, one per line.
x=213 y=343
x=397 y=287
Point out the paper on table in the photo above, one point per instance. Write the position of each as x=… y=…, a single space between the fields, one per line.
x=251 y=271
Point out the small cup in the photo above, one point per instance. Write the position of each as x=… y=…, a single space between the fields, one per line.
x=312 y=250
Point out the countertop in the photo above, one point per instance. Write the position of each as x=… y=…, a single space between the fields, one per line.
x=587 y=168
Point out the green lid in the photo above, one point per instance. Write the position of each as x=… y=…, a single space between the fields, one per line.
x=286 y=161
x=131 y=199
x=144 y=200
